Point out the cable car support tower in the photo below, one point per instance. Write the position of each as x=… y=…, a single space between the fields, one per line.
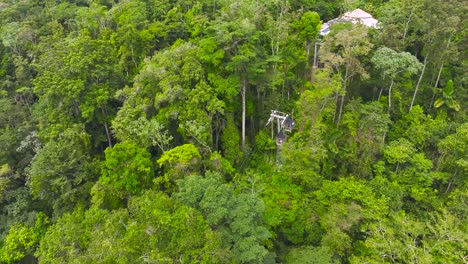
x=284 y=123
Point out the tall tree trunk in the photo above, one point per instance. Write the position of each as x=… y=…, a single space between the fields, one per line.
x=106 y=127
x=435 y=86
x=345 y=84
x=419 y=81
x=312 y=74
x=336 y=106
x=341 y=110
x=306 y=70
x=380 y=93
x=217 y=130
x=440 y=70
x=314 y=65
x=390 y=97
x=109 y=140
x=405 y=32
x=244 y=88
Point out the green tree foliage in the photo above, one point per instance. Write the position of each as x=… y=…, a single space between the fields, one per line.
x=310 y=255
x=179 y=156
x=61 y=172
x=111 y=112
x=391 y=64
x=308 y=27
x=367 y=126
x=287 y=211
x=422 y=130
x=402 y=238
x=230 y=142
x=177 y=163
x=183 y=233
x=127 y=168
x=153 y=229
x=21 y=240
x=237 y=216
x=131 y=125
x=447 y=98
x=76 y=81
x=454 y=156
x=173 y=86
x=344 y=207
x=305 y=153
x=343 y=51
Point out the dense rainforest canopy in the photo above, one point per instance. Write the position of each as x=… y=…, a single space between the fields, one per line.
x=135 y=131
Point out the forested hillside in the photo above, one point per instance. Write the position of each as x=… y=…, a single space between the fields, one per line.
x=135 y=131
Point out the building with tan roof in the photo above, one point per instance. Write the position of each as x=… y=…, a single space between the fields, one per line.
x=356 y=16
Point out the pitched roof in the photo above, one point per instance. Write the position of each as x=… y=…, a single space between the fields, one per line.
x=357 y=13
x=369 y=22
x=355 y=16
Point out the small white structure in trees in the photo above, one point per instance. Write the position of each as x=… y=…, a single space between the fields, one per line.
x=356 y=16
x=284 y=122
